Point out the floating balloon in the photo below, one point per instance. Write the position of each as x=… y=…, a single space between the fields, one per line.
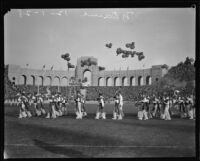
x=101 y=68
x=124 y=56
x=66 y=57
x=140 y=57
x=88 y=62
x=127 y=53
x=130 y=45
x=70 y=65
x=119 y=51
x=109 y=45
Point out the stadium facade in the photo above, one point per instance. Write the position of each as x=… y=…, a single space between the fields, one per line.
x=127 y=77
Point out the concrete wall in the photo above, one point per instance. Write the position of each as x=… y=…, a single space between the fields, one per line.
x=62 y=78
x=34 y=76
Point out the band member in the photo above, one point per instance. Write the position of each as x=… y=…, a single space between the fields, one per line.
x=37 y=107
x=54 y=111
x=171 y=106
x=142 y=108
x=149 y=108
x=190 y=106
x=175 y=103
x=83 y=109
x=139 y=106
x=35 y=100
x=116 y=108
x=64 y=106
x=187 y=105
x=145 y=102
x=155 y=102
x=100 y=111
x=78 y=106
x=41 y=105
x=83 y=92
x=121 y=113
x=59 y=105
x=21 y=105
x=162 y=107
x=48 y=107
x=26 y=101
x=166 y=109
x=181 y=103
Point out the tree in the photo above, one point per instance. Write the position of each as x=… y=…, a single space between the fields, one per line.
x=165 y=66
x=181 y=76
x=188 y=61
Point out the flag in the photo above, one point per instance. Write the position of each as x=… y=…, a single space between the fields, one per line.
x=52 y=68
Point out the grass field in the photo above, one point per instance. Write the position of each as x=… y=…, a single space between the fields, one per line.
x=66 y=137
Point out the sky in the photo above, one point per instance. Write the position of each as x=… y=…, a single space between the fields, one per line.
x=40 y=36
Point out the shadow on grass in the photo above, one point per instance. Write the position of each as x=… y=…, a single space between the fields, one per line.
x=178 y=126
x=53 y=148
x=47 y=136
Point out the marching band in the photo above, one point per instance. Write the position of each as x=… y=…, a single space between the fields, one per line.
x=162 y=107
x=149 y=107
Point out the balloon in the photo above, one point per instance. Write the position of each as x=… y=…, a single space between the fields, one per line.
x=124 y=56
x=132 y=45
x=101 y=68
x=119 y=51
x=68 y=59
x=127 y=45
x=109 y=45
x=67 y=54
x=129 y=52
x=70 y=65
x=140 y=57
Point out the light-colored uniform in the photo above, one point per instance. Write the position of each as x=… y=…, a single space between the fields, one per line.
x=78 y=107
x=143 y=114
x=166 y=110
x=116 y=108
x=121 y=103
x=22 y=113
x=191 y=110
x=100 y=111
x=155 y=103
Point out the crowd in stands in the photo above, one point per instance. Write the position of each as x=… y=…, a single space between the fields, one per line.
x=129 y=93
